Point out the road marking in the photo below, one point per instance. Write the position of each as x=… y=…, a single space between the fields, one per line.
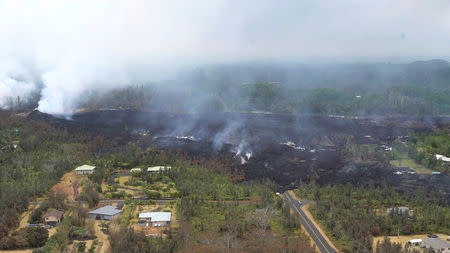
x=309 y=225
x=291 y=199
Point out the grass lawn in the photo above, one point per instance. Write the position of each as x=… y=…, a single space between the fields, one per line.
x=124 y=179
x=412 y=165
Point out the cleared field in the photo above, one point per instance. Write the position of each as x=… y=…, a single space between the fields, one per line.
x=24 y=219
x=17 y=251
x=412 y=165
x=124 y=179
x=70 y=184
x=403 y=239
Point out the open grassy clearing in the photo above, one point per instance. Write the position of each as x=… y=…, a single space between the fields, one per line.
x=412 y=165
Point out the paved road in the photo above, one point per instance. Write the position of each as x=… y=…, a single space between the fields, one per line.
x=312 y=230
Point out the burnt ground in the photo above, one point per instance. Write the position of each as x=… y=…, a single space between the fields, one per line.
x=288 y=149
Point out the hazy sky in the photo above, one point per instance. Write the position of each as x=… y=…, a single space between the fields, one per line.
x=69 y=46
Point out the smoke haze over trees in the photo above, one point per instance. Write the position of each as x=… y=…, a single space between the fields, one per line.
x=53 y=53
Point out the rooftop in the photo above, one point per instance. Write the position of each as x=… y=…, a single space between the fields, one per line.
x=158 y=168
x=436 y=243
x=400 y=209
x=442 y=158
x=156 y=216
x=106 y=210
x=85 y=167
x=55 y=213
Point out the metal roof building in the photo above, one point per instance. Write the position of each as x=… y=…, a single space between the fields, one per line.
x=85 y=169
x=135 y=170
x=436 y=244
x=156 y=216
x=105 y=213
x=158 y=168
x=399 y=210
x=156 y=219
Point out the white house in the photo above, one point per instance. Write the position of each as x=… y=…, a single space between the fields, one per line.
x=442 y=158
x=398 y=210
x=85 y=170
x=155 y=219
x=135 y=171
x=158 y=168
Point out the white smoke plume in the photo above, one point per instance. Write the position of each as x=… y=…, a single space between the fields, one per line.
x=14 y=82
x=67 y=47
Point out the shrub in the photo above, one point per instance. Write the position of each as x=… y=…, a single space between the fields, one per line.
x=93 y=246
x=36 y=216
x=25 y=238
x=36 y=236
x=81 y=247
x=151 y=194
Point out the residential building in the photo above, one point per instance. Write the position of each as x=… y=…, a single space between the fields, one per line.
x=155 y=219
x=53 y=218
x=105 y=213
x=442 y=158
x=436 y=244
x=399 y=210
x=135 y=170
x=158 y=168
x=85 y=170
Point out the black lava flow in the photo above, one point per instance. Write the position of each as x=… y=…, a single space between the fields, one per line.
x=289 y=149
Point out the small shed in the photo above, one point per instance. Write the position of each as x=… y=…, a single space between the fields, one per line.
x=53 y=218
x=155 y=219
x=105 y=213
x=158 y=169
x=85 y=170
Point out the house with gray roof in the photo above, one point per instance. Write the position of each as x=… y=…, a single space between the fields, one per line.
x=53 y=218
x=105 y=213
x=436 y=244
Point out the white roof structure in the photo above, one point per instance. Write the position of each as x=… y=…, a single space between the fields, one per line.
x=413 y=241
x=85 y=168
x=106 y=210
x=156 y=216
x=442 y=158
x=136 y=170
x=158 y=168
x=399 y=209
